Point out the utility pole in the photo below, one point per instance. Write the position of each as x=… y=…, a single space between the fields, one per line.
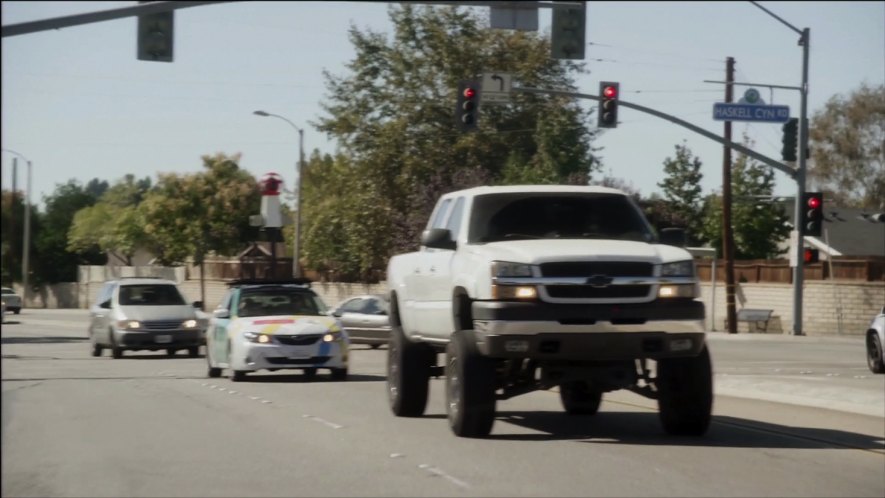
x=11 y=254
x=727 y=232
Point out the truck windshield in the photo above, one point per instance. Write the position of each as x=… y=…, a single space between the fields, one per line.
x=515 y=216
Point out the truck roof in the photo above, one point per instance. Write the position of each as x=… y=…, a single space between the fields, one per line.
x=505 y=189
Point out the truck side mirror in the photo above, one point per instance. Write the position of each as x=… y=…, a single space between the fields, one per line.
x=674 y=237
x=438 y=238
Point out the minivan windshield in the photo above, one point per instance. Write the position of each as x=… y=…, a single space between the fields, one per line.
x=513 y=216
x=150 y=295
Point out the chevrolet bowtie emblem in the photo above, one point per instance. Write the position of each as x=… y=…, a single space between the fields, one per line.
x=599 y=281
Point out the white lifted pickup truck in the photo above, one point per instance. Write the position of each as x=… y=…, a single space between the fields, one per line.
x=533 y=287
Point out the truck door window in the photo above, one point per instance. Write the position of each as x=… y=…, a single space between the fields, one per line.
x=440 y=214
x=454 y=223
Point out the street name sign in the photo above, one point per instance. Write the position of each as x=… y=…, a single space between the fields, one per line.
x=751 y=112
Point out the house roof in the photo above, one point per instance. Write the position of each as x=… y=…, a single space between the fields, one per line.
x=848 y=231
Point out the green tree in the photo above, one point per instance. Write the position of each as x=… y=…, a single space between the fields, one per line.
x=114 y=222
x=393 y=116
x=847 y=140
x=53 y=262
x=191 y=215
x=759 y=225
x=13 y=215
x=682 y=203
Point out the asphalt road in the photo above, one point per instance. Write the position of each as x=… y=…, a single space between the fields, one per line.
x=794 y=416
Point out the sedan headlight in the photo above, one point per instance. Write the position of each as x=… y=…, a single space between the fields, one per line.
x=128 y=324
x=678 y=269
x=257 y=337
x=332 y=337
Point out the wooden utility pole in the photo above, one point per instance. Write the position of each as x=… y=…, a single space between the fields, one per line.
x=727 y=233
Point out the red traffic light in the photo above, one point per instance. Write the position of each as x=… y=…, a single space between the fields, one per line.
x=814 y=202
x=610 y=92
x=469 y=92
x=810 y=256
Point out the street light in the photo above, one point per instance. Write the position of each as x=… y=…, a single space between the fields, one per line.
x=296 y=252
x=27 y=232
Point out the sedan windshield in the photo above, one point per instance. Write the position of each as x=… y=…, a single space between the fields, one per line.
x=265 y=302
x=557 y=216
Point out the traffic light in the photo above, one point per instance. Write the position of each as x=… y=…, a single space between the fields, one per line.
x=467 y=109
x=810 y=256
x=790 y=140
x=155 y=33
x=813 y=208
x=567 y=32
x=608 y=104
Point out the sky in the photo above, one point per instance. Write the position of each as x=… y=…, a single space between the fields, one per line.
x=78 y=104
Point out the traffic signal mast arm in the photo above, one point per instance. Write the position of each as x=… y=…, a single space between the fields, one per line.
x=673 y=119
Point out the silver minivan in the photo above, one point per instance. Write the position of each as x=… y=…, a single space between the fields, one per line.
x=145 y=314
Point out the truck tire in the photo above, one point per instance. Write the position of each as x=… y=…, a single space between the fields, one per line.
x=408 y=374
x=470 y=387
x=579 y=399
x=685 y=394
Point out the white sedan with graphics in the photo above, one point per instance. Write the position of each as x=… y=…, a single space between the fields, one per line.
x=273 y=325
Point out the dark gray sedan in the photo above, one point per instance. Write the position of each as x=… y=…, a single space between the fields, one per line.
x=365 y=319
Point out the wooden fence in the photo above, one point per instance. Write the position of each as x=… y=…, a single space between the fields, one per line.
x=867 y=269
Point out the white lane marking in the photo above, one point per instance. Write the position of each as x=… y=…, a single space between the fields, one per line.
x=440 y=473
x=396 y=455
x=323 y=421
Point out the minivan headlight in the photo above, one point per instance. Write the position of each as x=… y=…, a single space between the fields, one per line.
x=190 y=324
x=128 y=324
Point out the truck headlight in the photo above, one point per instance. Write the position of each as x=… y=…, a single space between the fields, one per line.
x=678 y=269
x=257 y=337
x=681 y=290
x=505 y=269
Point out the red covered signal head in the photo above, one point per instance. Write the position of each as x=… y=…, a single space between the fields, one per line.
x=610 y=92
x=469 y=92
x=814 y=202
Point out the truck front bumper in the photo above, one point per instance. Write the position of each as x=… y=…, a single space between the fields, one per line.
x=658 y=329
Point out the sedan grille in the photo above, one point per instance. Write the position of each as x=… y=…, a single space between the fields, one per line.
x=297 y=340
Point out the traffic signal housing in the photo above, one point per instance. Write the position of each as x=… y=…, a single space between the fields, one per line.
x=467 y=106
x=810 y=256
x=609 y=92
x=813 y=209
x=790 y=139
x=155 y=33
x=567 y=37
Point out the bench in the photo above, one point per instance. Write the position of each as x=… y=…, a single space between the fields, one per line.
x=755 y=316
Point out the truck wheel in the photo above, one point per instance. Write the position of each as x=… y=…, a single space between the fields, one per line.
x=408 y=375
x=578 y=399
x=470 y=387
x=685 y=394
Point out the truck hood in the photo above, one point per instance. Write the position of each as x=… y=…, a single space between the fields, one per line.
x=552 y=250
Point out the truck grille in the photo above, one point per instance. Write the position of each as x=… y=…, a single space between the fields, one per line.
x=588 y=292
x=590 y=268
x=571 y=269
